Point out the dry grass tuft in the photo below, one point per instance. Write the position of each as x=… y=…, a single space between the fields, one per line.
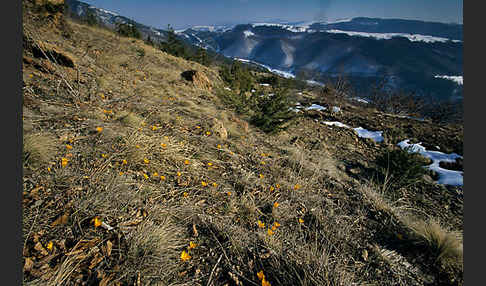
x=446 y=246
x=39 y=148
x=130 y=119
x=155 y=249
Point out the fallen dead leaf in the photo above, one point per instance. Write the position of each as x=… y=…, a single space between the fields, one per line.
x=131 y=222
x=74 y=252
x=62 y=220
x=96 y=260
x=29 y=263
x=142 y=213
x=194 y=230
x=109 y=247
x=38 y=246
x=35 y=191
x=106 y=280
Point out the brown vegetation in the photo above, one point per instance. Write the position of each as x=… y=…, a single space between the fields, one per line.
x=136 y=183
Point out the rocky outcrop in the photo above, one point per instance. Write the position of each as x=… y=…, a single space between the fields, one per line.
x=198 y=78
x=219 y=129
x=52 y=53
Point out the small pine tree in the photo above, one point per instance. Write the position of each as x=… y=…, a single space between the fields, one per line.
x=128 y=30
x=173 y=45
x=149 y=41
x=273 y=112
x=90 y=18
x=400 y=167
x=202 y=57
x=237 y=77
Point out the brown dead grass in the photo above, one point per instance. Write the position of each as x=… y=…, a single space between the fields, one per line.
x=38 y=148
x=323 y=223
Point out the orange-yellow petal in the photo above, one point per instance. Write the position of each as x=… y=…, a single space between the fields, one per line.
x=97 y=222
x=185 y=256
x=261 y=224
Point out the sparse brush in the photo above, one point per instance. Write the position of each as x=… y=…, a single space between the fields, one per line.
x=38 y=149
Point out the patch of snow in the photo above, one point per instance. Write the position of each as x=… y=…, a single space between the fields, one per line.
x=264 y=84
x=359 y=99
x=336 y=123
x=299 y=93
x=203 y=28
x=109 y=12
x=248 y=33
x=316 y=107
x=313 y=82
x=295 y=29
x=242 y=60
x=227 y=88
x=297 y=107
x=446 y=177
x=272 y=70
x=336 y=109
x=376 y=136
x=197 y=38
x=338 y=21
x=411 y=117
x=252 y=91
x=104 y=11
x=388 y=36
x=456 y=79
x=294 y=109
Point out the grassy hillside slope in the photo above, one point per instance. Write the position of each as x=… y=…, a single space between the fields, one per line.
x=129 y=180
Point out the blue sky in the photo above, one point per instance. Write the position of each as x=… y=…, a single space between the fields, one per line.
x=182 y=14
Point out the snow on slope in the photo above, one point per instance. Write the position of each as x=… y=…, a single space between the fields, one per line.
x=376 y=136
x=248 y=33
x=316 y=107
x=456 y=79
x=388 y=36
x=446 y=177
x=336 y=123
x=285 y=74
x=295 y=29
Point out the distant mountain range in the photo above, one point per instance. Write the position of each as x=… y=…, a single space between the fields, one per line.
x=110 y=19
x=424 y=57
